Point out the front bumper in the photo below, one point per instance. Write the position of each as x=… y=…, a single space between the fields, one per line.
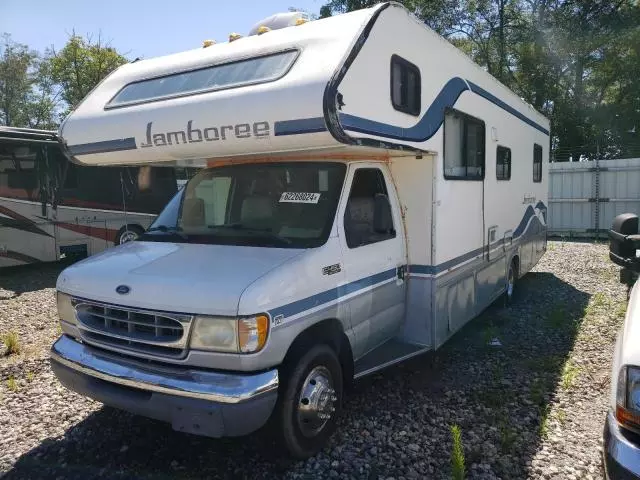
x=621 y=455
x=204 y=402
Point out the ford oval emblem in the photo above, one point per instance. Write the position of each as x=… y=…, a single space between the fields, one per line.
x=122 y=289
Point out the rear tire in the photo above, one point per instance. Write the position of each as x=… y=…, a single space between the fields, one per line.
x=310 y=401
x=128 y=233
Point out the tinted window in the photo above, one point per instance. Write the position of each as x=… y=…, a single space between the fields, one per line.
x=503 y=163
x=145 y=189
x=464 y=147
x=19 y=171
x=368 y=193
x=537 y=163
x=405 y=86
x=253 y=70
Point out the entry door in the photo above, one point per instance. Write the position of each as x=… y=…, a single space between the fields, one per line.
x=373 y=259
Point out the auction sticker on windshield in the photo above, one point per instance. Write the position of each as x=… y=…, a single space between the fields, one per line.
x=299 y=197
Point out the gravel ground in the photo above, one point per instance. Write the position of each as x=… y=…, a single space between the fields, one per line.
x=531 y=408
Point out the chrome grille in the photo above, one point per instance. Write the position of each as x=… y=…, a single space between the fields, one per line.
x=154 y=333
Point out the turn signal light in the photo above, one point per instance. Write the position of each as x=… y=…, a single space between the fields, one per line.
x=627 y=418
x=252 y=333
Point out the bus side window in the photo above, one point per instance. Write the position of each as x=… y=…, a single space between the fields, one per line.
x=18 y=172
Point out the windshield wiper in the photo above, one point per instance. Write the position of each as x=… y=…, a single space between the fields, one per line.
x=177 y=231
x=264 y=232
x=164 y=228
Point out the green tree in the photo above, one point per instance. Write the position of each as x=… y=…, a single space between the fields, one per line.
x=81 y=65
x=43 y=107
x=16 y=81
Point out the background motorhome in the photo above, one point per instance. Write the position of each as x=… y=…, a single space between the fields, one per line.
x=51 y=208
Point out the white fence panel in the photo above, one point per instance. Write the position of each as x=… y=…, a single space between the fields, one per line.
x=585 y=197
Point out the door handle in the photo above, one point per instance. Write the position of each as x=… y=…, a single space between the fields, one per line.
x=401 y=271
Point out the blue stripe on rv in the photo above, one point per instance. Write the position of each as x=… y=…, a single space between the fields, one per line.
x=333 y=294
x=327 y=296
x=103 y=146
x=322 y=298
x=296 y=127
x=426 y=127
x=493 y=99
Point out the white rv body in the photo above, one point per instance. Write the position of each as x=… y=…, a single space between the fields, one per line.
x=435 y=148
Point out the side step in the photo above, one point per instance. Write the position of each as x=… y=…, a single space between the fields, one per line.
x=385 y=355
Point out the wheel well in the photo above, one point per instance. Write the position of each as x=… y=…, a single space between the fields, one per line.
x=327 y=331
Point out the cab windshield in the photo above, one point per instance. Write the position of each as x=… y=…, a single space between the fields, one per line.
x=283 y=205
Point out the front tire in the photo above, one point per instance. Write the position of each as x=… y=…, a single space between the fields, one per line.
x=310 y=402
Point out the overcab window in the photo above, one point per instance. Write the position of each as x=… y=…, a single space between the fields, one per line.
x=266 y=68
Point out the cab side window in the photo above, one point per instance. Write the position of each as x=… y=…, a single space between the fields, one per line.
x=368 y=217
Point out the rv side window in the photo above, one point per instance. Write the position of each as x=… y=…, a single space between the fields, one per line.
x=503 y=163
x=464 y=147
x=368 y=217
x=18 y=171
x=537 y=163
x=405 y=86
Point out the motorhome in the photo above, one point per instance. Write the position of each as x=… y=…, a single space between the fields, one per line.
x=366 y=190
x=51 y=208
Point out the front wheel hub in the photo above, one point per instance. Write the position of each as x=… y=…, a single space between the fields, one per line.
x=316 y=403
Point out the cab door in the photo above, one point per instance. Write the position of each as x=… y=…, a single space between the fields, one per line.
x=374 y=255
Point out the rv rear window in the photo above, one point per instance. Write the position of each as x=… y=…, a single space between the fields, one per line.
x=405 y=86
x=503 y=163
x=464 y=147
x=537 y=163
x=262 y=69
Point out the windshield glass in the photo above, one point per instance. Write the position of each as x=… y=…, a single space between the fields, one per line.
x=285 y=205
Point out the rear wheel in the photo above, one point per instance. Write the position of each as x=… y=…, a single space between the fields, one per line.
x=310 y=402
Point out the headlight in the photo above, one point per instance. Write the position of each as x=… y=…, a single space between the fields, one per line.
x=218 y=334
x=244 y=335
x=66 y=312
x=628 y=397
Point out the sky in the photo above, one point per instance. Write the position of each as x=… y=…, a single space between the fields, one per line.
x=138 y=28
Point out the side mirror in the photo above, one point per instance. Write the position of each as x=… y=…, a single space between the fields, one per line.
x=382 y=218
x=624 y=240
